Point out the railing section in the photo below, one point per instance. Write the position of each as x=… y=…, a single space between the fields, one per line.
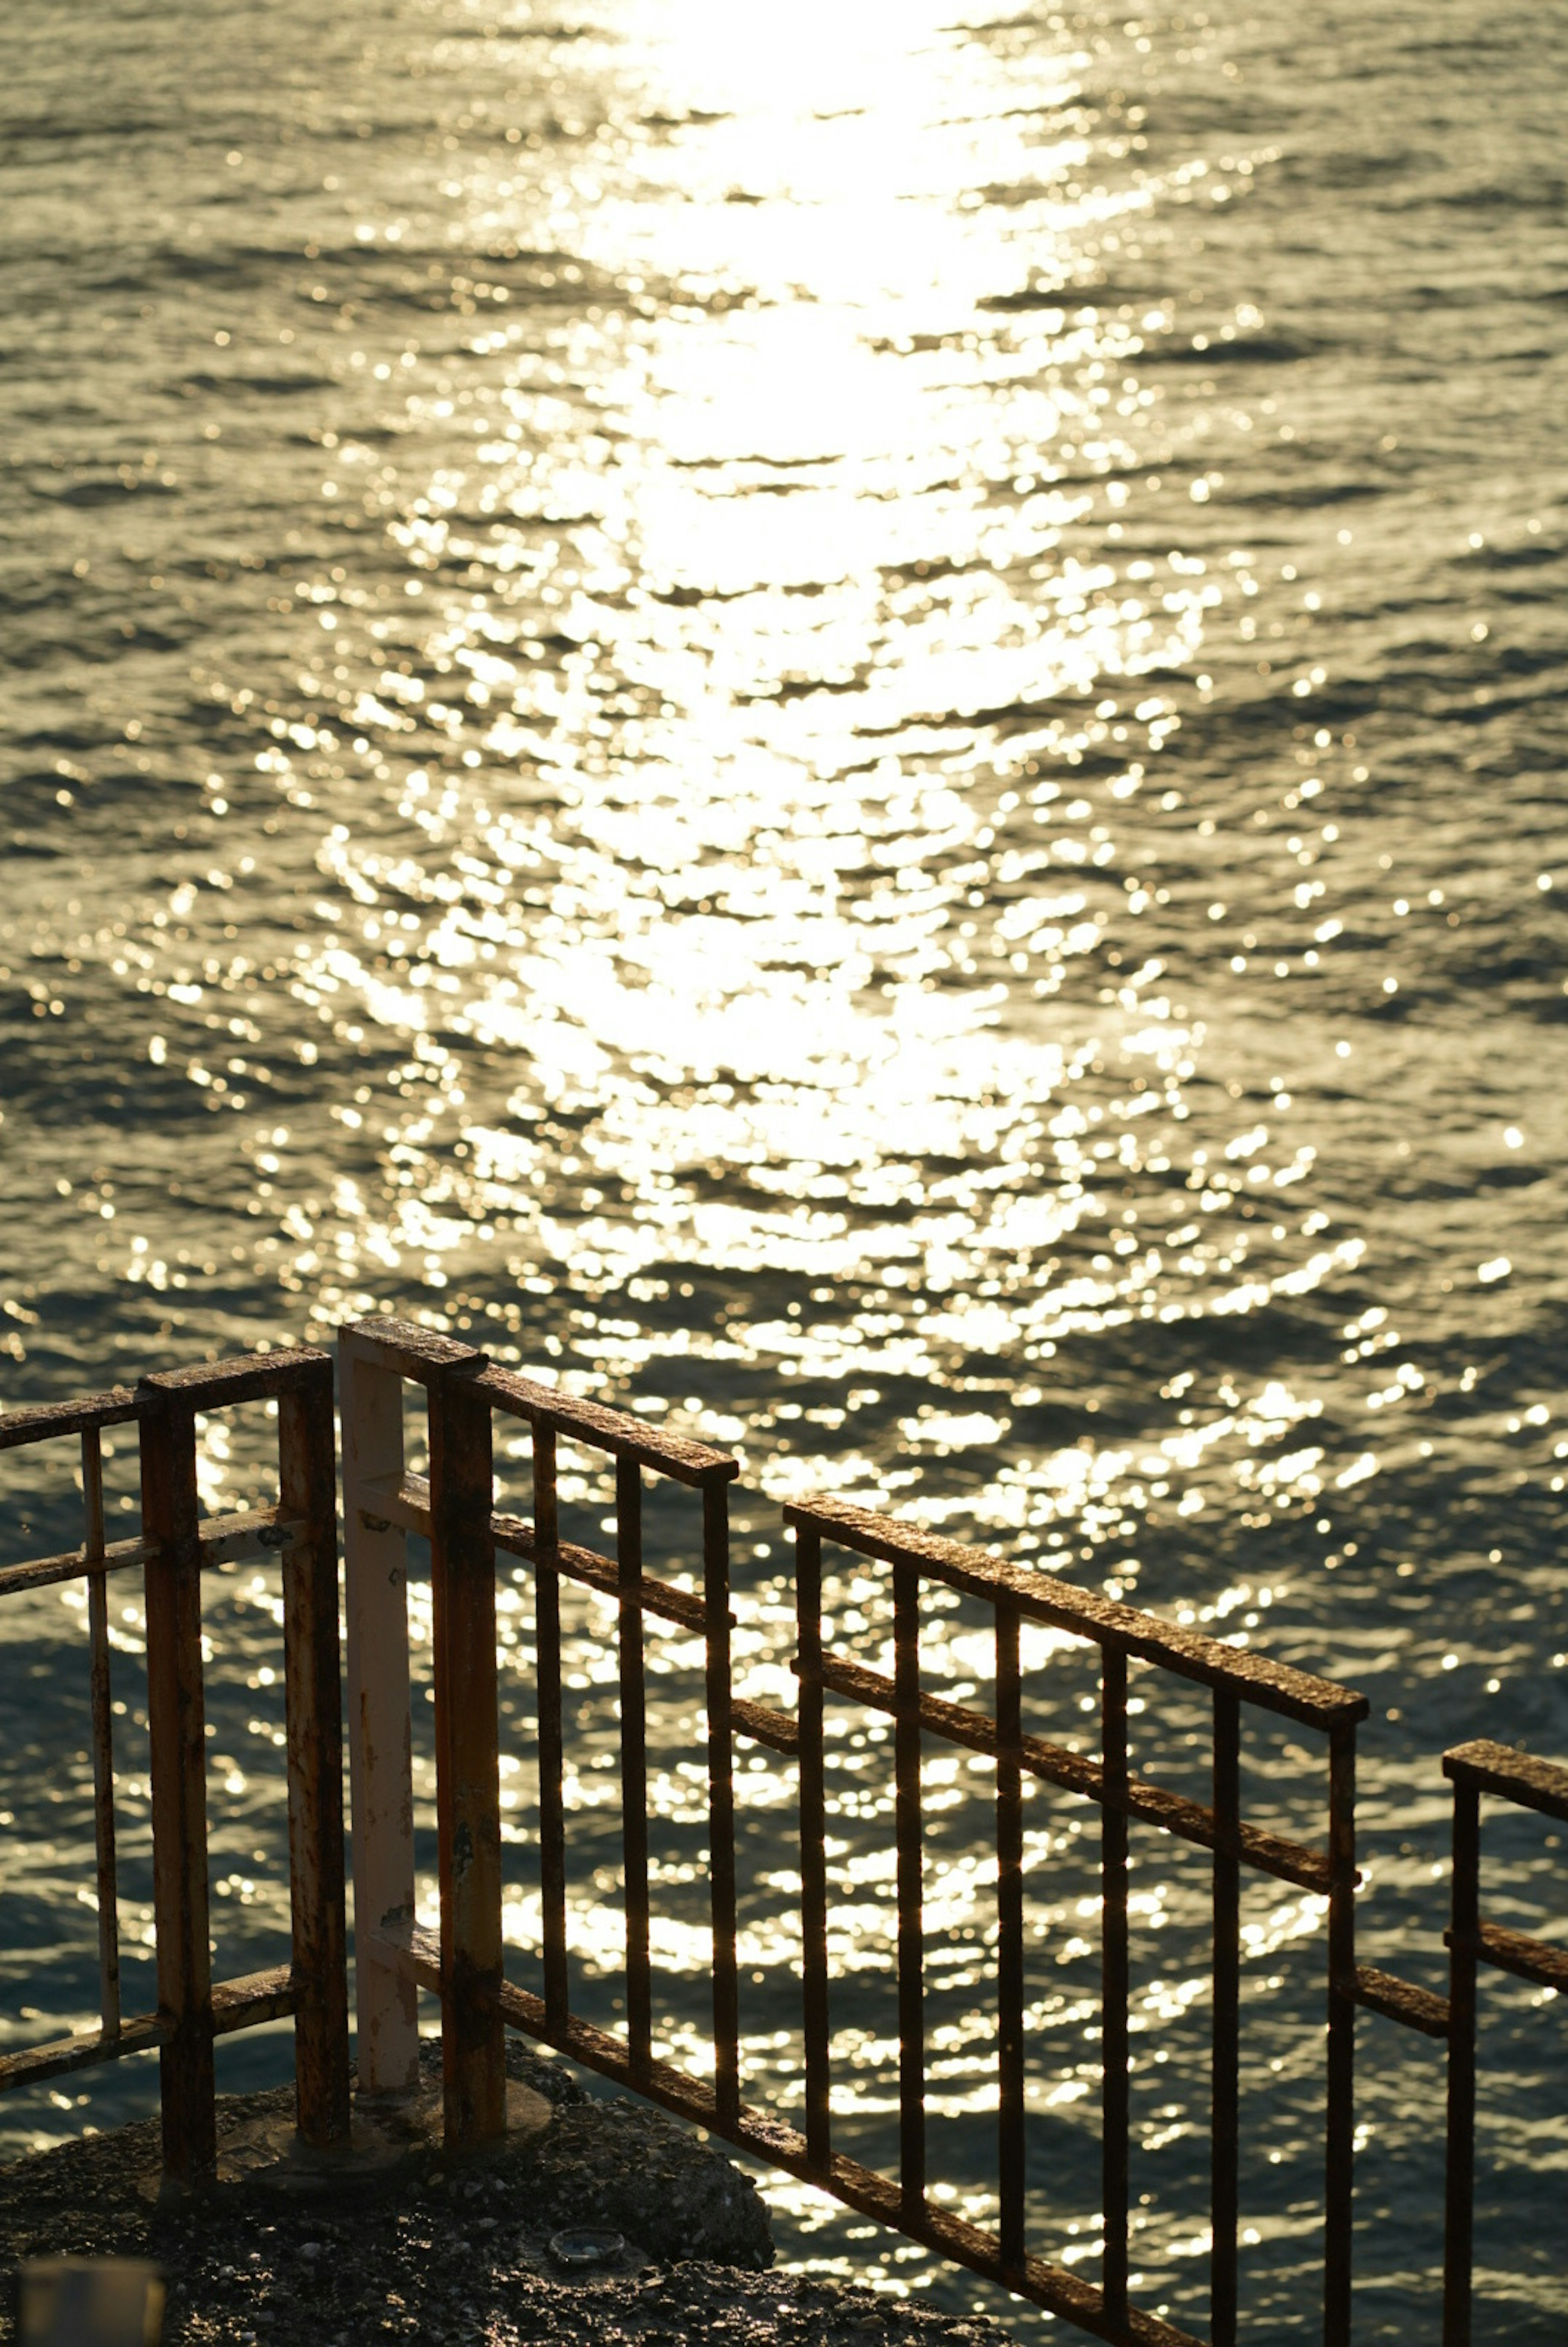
x=175 y=1547
x=453 y=1508
x=1236 y=1679
x=1530 y=1784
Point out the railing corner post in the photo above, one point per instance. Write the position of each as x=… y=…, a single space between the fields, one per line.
x=721 y=1806
x=1459 y=2211
x=468 y=1764
x=1340 y=2130
x=380 y=1776
x=308 y=1490
x=178 y=1743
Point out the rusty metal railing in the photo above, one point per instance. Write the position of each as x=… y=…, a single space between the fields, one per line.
x=1530 y=1784
x=453 y=1508
x=461 y=1964
x=175 y=1546
x=1236 y=1679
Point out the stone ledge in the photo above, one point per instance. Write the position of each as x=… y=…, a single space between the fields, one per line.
x=453 y=2254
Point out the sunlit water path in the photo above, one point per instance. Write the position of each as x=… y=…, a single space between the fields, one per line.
x=848 y=726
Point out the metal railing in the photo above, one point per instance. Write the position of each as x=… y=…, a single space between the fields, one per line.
x=1514 y=1776
x=174 y=1548
x=453 y=1508
x=1015 y=1593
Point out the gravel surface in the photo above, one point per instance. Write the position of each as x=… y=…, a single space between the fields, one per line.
x=457 y=2254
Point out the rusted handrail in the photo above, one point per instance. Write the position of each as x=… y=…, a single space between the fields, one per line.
x=1234 y=1670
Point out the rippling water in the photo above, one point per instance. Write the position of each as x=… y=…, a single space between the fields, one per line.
x=848 y=726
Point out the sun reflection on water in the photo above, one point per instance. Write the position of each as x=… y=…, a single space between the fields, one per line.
x=773 y=884
x=781 y=814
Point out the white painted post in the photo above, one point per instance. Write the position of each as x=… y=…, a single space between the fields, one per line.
x=379 y=1736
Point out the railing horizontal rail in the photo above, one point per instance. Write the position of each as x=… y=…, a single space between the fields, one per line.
x=223 y=1540
x=421 y=1355
x=1292 y=1861
x=42 y=1573
x=1277 y=1686
x=1401 y=2000
x=1516 y=1952
x=34 y=2064
x=47 y=1420
x=214 y=1385
x=610 y=1431
x=404 y=1501
x=1517 y=1776
x=236 y=2005
x=764 y=1726
x=224 y=1385
x=517 y=1538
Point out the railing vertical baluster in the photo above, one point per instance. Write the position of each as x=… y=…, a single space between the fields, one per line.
x=380 y=1773
x=1458 y=2213
x=721 y=1804
x=1226 y=2058
x=911 y=1933
x=1010 y=2133
x=1340 y=2131
x=468 y=1775
x=1114 y=2045
x=308 y=1488
x=813 y=1843
x=547 y=1672
x=102 y=1700
x=177 y=1737
x=634 y=1764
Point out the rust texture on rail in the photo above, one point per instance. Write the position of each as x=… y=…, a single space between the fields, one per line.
x=224 y=1385
x=237 y=2004
x=44 y=1423
x=610 y=1431
x=1314 y=1702
x=1517 y=1776
x=221 y=1541
x=1401 y=1999
x=415 y=1352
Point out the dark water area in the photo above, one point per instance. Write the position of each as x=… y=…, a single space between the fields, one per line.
x=850 y=729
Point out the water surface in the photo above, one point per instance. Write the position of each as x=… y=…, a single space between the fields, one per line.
x=847 y=728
